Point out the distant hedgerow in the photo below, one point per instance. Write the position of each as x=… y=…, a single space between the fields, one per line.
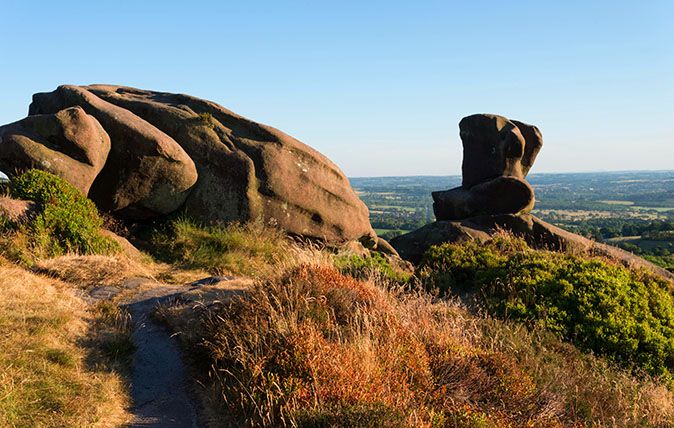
x=602 y=307
x=65 y=220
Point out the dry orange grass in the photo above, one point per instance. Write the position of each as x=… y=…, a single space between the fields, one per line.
x=83 y=270
x=45 y=376
x=315 y=348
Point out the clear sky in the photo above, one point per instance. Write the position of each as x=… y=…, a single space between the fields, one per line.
x=377 y=86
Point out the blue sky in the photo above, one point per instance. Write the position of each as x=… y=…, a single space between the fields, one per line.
x=377 y=86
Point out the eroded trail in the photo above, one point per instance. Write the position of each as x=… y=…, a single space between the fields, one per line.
x=160 y=384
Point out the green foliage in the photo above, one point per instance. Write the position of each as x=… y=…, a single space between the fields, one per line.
x=250 y=249
x=65 y=221
x=362 y=415
x=599 y=306
x=365 y=267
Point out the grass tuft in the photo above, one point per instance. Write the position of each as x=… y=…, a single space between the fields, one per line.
x=252 y=249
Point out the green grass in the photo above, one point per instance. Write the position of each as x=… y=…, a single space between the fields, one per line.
x=383 y=231
x=252 y=249
x=617 y=202
x=601 y=307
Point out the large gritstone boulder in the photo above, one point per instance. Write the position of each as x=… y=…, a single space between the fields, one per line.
x=246 y=171
x=146 y=174
x=69 y=143
x=250 y=171
x=497 y=155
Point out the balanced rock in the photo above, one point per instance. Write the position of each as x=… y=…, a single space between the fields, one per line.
x=146 y=174
x=494 y=146
x=497 y=155
x=69 y=143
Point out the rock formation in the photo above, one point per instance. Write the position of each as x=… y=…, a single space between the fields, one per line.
x=494 y=196
x=69 y=143
x=142 y=154
x=497 y=155
x=146 y=174
x=16 y=210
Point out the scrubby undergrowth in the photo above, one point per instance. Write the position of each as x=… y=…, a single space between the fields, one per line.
x=64 y=221
x=626 y=315
x=313 y=347
x=325 y=339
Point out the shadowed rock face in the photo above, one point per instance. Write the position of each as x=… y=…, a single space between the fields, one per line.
x=497 y=155
x=173 y=150
x=70 y=144
x=494 y=146
x=146 y=174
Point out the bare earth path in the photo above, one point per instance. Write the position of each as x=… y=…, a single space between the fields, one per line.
x=160 y=385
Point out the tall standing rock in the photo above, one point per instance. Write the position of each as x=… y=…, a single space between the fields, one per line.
x=497 y=155
x=69 y=143
x=147 y=173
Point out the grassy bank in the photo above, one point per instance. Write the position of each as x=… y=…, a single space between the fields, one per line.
x=313 y=347
x=51 y=373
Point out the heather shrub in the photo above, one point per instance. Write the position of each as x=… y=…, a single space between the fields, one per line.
x=313 y=347
x=65 y=221
x=599 y=306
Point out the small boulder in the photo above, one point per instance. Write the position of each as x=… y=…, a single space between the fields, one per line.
x=69 y=143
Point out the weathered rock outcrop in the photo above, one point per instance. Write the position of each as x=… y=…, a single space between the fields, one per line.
x=248 y=170
x=147 y=173
x=495 y=196
x=69 y=143
x=174 y=151
x=497 y=155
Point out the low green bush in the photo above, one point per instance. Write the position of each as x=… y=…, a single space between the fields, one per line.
x=373 y=265
x=65 y=220
x=624 y=314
